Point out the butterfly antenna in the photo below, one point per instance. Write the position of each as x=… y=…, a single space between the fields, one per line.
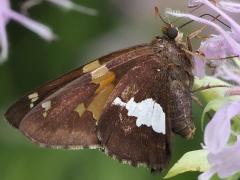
x=158 y=14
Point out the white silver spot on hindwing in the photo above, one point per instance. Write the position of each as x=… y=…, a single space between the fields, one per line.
x=148 y=112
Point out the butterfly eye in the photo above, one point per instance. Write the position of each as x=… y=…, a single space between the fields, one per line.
x=172 y=33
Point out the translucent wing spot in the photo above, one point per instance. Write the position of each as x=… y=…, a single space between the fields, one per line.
x=46 y=106
x=80 y=109
x=33 y=98
x=99 y=72
x=148 y=112
x=104 y=80
x=91 y=66
x=97 y=104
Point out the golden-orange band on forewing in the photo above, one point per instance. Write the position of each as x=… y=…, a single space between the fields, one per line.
x=102 y=70
x=80 y=109
x=98 y=102
x=103 y=77
x=91 y=66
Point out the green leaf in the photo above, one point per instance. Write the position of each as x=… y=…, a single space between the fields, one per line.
x=190 y=161
x=216 y=104
x=236 y=124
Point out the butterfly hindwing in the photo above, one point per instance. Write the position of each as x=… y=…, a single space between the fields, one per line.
x=118 y=132
x=64 y=112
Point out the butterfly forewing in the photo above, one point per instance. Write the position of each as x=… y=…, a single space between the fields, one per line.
x=64 y=112
x=20 y=108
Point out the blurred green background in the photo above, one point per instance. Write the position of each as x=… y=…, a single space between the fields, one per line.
x=32 y=61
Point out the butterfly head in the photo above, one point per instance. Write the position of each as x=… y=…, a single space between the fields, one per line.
x=169 y=30
x=172 y=32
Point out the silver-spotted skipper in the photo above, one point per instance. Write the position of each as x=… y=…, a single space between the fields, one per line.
x=126 y=103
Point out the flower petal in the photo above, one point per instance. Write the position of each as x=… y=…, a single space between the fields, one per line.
x=227 y=161
x=199 y=67
x=218 y=130
x=4 y=4
x=207 y=175
x=216 y=47
x=67 y=4
x=232 y=43
x=3 y=42
x=193 y=3
x=229 y=6
x=233 y=23
x=40 y=29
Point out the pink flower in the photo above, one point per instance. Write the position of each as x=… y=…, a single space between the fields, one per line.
x=199 y=67
x=6 y=14
x=223 y=158
x=218 y=46
x=229 y=37
x=225 y=5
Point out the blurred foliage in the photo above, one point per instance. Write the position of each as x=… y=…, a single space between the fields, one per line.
x=32 y=61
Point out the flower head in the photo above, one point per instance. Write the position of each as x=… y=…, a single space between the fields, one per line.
x=225 y=44
x=223 y=158
x=225 y=5
x=216 y=47
x=6 y=14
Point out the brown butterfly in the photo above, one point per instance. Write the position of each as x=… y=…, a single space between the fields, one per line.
x=126 y=103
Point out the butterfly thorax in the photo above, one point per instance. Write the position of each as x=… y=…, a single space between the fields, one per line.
x=171 y=52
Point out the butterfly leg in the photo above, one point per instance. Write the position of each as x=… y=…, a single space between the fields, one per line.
x=197 y=101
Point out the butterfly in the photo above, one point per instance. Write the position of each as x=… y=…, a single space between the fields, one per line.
x=127 y=104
